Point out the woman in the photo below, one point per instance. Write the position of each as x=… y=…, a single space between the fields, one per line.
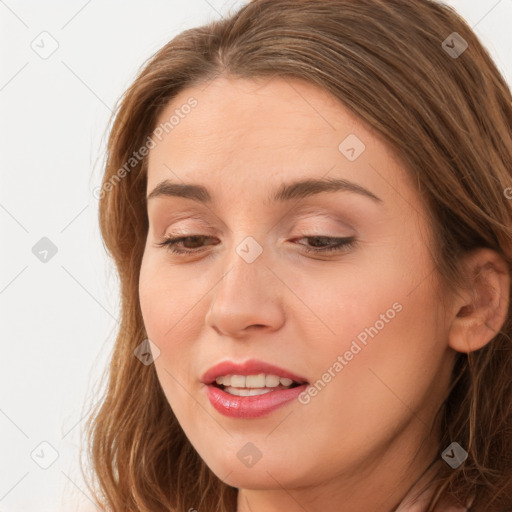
x=308 y=206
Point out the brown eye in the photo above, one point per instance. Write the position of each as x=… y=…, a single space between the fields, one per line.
x=326 y=244
x=189 y=243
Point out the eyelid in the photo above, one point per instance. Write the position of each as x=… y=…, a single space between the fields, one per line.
x=308 y=212
x=179 y=225
x=323 y=228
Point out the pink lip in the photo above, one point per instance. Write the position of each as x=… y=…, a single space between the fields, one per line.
x=250 y=406
x=250 y=367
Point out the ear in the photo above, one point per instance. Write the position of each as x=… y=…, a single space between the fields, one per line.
x=482 y=307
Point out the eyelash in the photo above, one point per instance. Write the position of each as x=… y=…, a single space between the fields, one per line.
x=342 y=244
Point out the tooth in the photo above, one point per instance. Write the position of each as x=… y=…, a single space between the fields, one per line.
x=261 y=380
x=255 y=381
x=258 y=391
x=246 y=392
x=238 y=381
x=271 y=381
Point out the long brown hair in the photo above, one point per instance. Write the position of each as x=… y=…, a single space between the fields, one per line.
x=448 y=115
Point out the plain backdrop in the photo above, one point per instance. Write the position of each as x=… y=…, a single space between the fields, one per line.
x=63 y=67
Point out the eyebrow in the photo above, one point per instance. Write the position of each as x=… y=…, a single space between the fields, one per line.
x=286 y=192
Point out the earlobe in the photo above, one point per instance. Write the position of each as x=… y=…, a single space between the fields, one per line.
x=482 y=308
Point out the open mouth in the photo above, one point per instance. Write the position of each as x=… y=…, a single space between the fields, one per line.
x=252 y=385
x=252 y=391
x=252 y=396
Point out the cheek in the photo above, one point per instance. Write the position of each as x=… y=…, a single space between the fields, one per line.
x=173 y=303
x=165 y=296
x=387 y=356
x=164 y=305
x=160 y=311
x=382 y=322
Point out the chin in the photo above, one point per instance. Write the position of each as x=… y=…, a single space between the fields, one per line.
x=269 y=475
x=256 y=481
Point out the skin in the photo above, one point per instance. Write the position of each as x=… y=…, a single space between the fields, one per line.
x=363 y=441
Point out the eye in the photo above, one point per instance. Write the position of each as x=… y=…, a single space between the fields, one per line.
x=320 y=244
x=327 y=244
x=172 y=243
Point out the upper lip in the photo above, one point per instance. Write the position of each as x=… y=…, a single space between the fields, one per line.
x=250 y=367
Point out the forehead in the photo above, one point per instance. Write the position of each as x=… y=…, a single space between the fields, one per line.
x=259 y=132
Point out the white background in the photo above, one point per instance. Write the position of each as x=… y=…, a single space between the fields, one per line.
x=58 y=318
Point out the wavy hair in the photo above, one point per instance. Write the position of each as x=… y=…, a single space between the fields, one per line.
x=448 y=116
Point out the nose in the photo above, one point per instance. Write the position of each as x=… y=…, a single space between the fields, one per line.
x=248 y=297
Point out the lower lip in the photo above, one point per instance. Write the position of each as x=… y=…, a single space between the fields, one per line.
x=251 y=406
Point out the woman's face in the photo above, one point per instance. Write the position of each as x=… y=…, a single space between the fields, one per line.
x=360 y=324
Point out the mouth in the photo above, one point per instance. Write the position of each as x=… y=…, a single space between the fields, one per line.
x=249 y=402
x=251 y=389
